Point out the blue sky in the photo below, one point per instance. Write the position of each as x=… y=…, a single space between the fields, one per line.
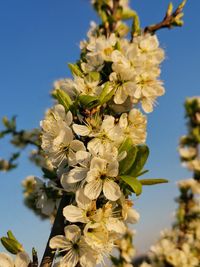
x=38 y=38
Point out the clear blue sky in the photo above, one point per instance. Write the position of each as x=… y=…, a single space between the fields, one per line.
x=38 y=38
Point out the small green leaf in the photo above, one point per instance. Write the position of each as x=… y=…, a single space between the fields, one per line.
x=141 y=158
x=75 y=70
x=142 y=172
x=9 y=124
x=133 y=183
x=153 y=181
x=169 y=9
x=11 y=245
x=182 y=4
x=128 y=14
x=11 y=236
x=63 y=98
x=106 y=93
x=89 y=101
x=136 y=30
x=127 y=162
x=93 y=76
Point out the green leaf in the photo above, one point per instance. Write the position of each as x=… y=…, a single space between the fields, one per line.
x=182 y=4
x=89 y=101
x=142 y=172
x=133 y=183
x=127 y=162
x=106 y=94
x=63 y=98
x=11 y=245
x=11 y=236
x=9 y=124
x=153 y=181
x=93 y=76
x=169 y=9
x=136 y=30
x=141 y=158
x=75 y=70
x=128 y=14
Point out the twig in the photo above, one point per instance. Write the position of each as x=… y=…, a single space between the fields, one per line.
x=169 y=20
x=34 y=263
x=57 y=229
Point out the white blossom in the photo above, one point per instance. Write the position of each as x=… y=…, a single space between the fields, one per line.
x=21 y=260
x=73 y=245
x=57 y=139
x=102 y=176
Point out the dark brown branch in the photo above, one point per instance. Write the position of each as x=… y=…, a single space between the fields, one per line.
x=34 y=263
x=167 y=22
x=57 y=229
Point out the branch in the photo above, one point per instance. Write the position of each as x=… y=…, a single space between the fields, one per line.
x=57 y=229
x=170 y=20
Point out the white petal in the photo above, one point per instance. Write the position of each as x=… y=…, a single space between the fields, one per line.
x=112 y=169
x=72 y=232
x=81 y=130
x=120 y=96
x=77 y=174
x=98 y=164
x=111 y=190
x=82 y=200
x=6 y=260
x=116 y=56
x=123 y=121
x=83 y=158
x=77 y=145
x=48 y=207
x=147 y=105
x=116 y=225
x=92 y=175
x=93 y=189
x=69 y=118
x=65 y=137
x=108 y=123
x=74 y=214
x=22 y=259
x=59 y=241
x=132 y=216
x=70 y=259
x=94 y=146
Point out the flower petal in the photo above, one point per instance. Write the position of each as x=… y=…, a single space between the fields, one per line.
x=93 y=189
x=6 y=260
x=111 y=190
x=82 y=200
x=77 y=145
x=70 y=259
x=60 y=241
x=112 y=169
x=81 y=130
x=74 y=214
x=22 y=259
x=98 y=164
x=77 y=174
x=132 y=216
x=72 y=232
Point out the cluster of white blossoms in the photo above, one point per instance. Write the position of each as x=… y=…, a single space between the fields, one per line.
x=21 y=260
x=189 y=148
x=180 y=247
x=92 y=138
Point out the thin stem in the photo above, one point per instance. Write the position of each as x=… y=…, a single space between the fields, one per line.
x=167 y=22
x=57 y=229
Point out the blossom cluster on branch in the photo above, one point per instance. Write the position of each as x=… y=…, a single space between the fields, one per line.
x=180 y=246
x=93 y=147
